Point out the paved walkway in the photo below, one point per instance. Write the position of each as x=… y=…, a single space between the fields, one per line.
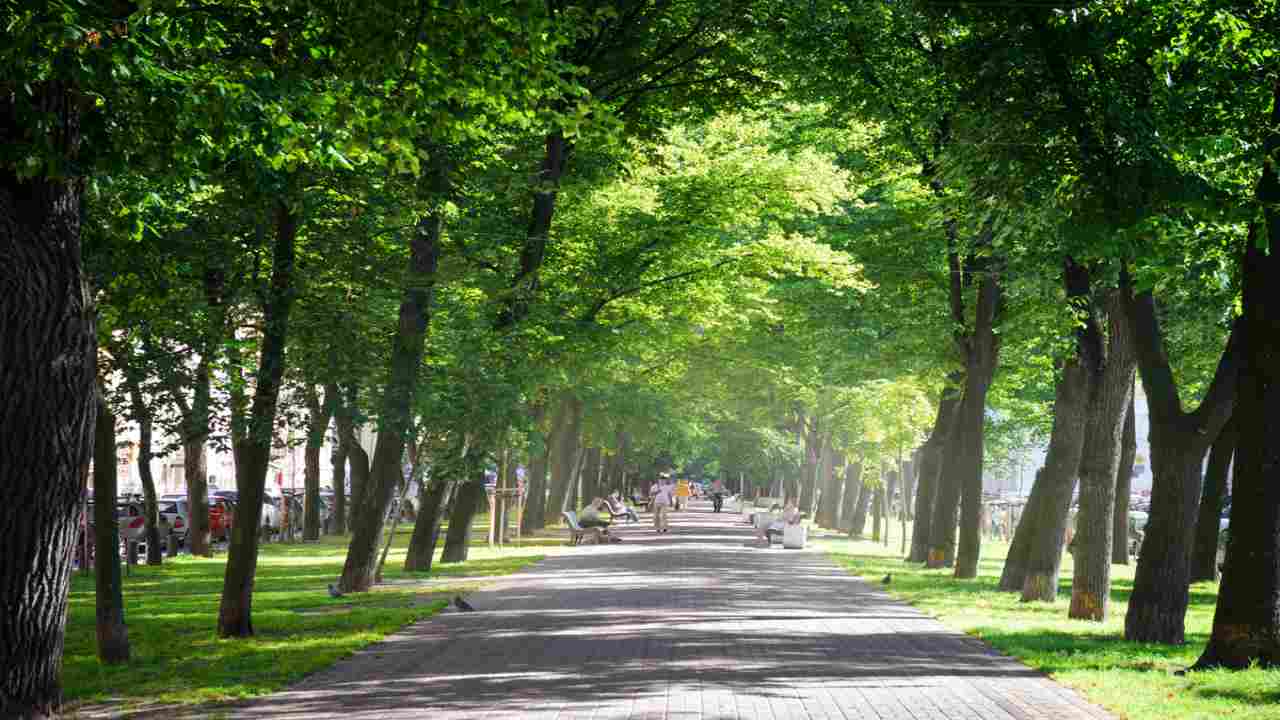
x=688 y=625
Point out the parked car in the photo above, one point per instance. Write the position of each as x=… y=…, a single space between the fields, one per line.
x=178 y=514
x=222 y=514
x=133 y=522
x=1225 y=520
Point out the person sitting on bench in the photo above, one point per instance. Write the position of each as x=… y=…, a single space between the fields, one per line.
x=617 y=507
x=790 y=516
x=596 y=515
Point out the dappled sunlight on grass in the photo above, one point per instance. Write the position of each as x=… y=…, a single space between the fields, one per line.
x=1135 y=680
x=171 y=612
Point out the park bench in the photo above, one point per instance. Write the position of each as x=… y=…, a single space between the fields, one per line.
x=577 y=533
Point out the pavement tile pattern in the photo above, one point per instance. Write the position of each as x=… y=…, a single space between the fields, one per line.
x=687 y=625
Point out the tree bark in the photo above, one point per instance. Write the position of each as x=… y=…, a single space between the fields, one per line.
x=566 y=429
x=197 y=418
x=433 y=498
x=535 y=507
x=253 y=449
x=828 y=512
x=1035 y=557
x=946 y=506
x=48 y=370
x=813 y=446
x=1039 y=557
x=1246 y=624
x=590 y=476
x=458 y=540
x=877 y=507
x=1179 y=441
x=983 y=348
x=1124 y=483
x=113 y=635
x=852 y=487
x=1204 y=556
x=930 y=467
x=532 y=252
x=395 y=421
x=1112 y=394
x=150 y=502
x=318 y=414
x=858 y=527
x=339 y=456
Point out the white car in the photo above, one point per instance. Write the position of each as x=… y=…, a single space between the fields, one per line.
x=271 y=512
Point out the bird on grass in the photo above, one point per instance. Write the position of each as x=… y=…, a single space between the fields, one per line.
x=462 y=605
x=886 y=579
x=334 y=592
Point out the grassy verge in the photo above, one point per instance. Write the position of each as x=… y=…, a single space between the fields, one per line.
x=171 y=612
x=1134 y=680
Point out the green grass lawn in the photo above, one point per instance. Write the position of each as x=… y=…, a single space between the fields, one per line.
x=1134 y=680
x=171 y=612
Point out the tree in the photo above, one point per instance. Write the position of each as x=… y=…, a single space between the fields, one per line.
x=1246 y=624
x=113 y=634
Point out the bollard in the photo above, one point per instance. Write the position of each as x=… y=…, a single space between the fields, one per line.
x=172 y=543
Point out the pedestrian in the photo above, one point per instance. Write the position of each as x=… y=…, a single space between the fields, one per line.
x=662 y=500
x=717 y=494
x=682 y=494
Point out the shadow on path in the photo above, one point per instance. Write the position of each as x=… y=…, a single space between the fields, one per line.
x=689 y=624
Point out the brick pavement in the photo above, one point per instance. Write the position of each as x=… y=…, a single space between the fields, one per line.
x=688 y=625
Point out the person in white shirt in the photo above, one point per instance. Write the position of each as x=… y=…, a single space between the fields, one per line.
x=662 y=501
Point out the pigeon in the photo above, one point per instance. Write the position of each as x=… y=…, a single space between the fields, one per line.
x=334 y=592
x=886 y=579
x=462 y=605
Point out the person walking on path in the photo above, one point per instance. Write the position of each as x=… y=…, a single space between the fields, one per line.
x=717 y=494
x=662 y=500
x=682 y=494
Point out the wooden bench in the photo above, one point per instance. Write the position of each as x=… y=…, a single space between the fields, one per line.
x=579 y=534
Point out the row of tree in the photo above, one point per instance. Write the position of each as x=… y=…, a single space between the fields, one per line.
x=786 y=242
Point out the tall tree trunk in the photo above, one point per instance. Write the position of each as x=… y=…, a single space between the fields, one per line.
x=339 y=456
x=535 y=506
x=566 y=428
x=1179 y=441
x=471 y=493
x=113 y=635
x=1039 y=557
x=197 y=418
x=983 y=353
x=48 y=370
x=930 y=466
x=909 y=469
x=150 y=502
x=852 y=487
x=534 y=249
x=1204 y=556
x=590 y=475
x=813 y=445
x=318 y=414
x=128 y=363
x=433 y=498
x=946 y=505
x=877 y=507
x=1104 y=431
x=829 y=502
x=1035 y=557
x=1014 y=573
x=1246 y=625
x=1124 y=481
x=395 y=421
x=858 y=527
x=253 y=449
x=535 y=510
